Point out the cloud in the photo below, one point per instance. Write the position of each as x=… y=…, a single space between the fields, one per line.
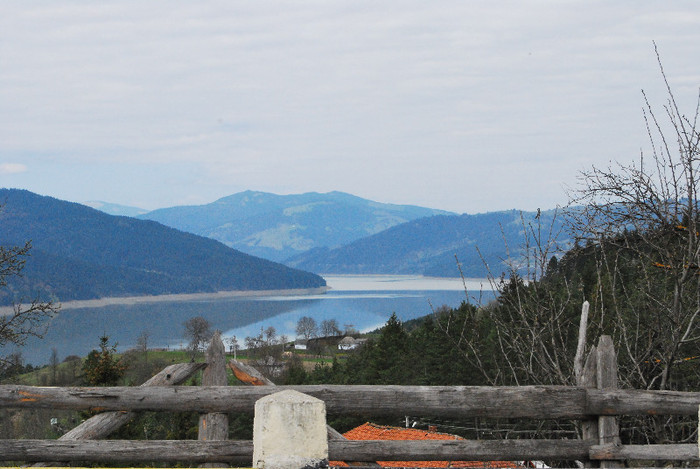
x=12 y=168
x=434 y=106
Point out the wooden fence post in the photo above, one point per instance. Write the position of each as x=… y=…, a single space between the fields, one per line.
x=251 y=376
x=600 y=372
x=214 y=426
x=101 y=425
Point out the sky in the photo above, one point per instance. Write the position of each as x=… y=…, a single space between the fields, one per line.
x=467 y=106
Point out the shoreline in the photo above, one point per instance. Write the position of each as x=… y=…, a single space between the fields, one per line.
x=146 y=299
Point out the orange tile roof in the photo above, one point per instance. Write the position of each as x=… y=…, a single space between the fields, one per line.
x=370 y=431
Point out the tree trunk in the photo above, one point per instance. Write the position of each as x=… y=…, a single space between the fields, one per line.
x=214 y=426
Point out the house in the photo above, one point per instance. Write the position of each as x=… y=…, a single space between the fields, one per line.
x=350 y=343
x=301 y=344
x=319 y=344
x=347 y=343
x=370 y=431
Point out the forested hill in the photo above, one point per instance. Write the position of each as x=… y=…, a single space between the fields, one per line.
x=279 y=226
x=81 y=253
x=428 y=246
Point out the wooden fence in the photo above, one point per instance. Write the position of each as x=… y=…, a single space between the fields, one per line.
x=598 y=405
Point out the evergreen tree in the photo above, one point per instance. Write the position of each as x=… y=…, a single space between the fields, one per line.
x=102 y=367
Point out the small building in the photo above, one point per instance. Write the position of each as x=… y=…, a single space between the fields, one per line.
x=347 y=343
x=301 y=344
x=350 y=343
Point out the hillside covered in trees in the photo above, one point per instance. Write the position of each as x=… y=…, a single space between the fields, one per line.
x=483 y=243
x=276 y=227
x=81 y=253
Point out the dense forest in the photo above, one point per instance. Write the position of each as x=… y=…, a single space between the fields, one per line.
x=428 y=246
x=81 y=253
x=529 y=335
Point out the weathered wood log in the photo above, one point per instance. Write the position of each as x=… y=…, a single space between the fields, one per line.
x=457 y=450
x=214 y=426
x=252 y=377
x=240 y=452
x=684 y=452
x=638 y=402
x=579 y=361
x=441 y=401
x=128 y=451
x=589 y=427
x=334 y=434
x=248 y=375
x=542 y=402
x=101 y=425
x=606 y=378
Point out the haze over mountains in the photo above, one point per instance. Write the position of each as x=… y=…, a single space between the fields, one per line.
x=277 y=227
x=82 y=253
x=116 y=209
x=482 y=243
x=340 y=233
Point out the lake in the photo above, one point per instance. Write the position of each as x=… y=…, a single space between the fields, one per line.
x=364 y=302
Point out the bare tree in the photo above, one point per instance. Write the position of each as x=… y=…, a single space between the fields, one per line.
x=640 y=225
x=647 y=215
x=271 y=334
x=198 y=332
x=265 y=351
x=25 y=320
x=534 y=319
x=306 y=327
x=233 y=345
x=329 y=327
x=53 y=363
x=142 y=344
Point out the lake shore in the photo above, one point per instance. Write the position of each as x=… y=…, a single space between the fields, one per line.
x=145 y=299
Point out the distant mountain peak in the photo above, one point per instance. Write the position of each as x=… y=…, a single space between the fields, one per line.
x=277 y=227
x=115 y=209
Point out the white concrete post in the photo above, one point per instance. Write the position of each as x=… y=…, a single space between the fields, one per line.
x=289 y=432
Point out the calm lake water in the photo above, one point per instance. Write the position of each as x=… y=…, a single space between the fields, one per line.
x=365 y=302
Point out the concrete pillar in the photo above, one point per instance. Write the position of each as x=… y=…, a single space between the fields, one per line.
x=289 y=432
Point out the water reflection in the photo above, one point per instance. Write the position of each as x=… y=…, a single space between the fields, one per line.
x=363 y=302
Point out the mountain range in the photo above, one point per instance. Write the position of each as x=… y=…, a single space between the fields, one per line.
x=82 y=253
x=277 y=227
x=338 y=233
x=482 y=244
x=116 y=209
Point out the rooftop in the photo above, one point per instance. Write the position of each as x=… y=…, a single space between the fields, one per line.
x=370 y=431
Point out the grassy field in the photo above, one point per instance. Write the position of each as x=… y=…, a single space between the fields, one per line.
x=140 y=366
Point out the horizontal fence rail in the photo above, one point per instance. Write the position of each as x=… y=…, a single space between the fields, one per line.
x=241 y=452
x=127 y=451
x=596 y=404
x=540 y=402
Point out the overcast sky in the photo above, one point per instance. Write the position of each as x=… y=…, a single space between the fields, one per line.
x=467 y=106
